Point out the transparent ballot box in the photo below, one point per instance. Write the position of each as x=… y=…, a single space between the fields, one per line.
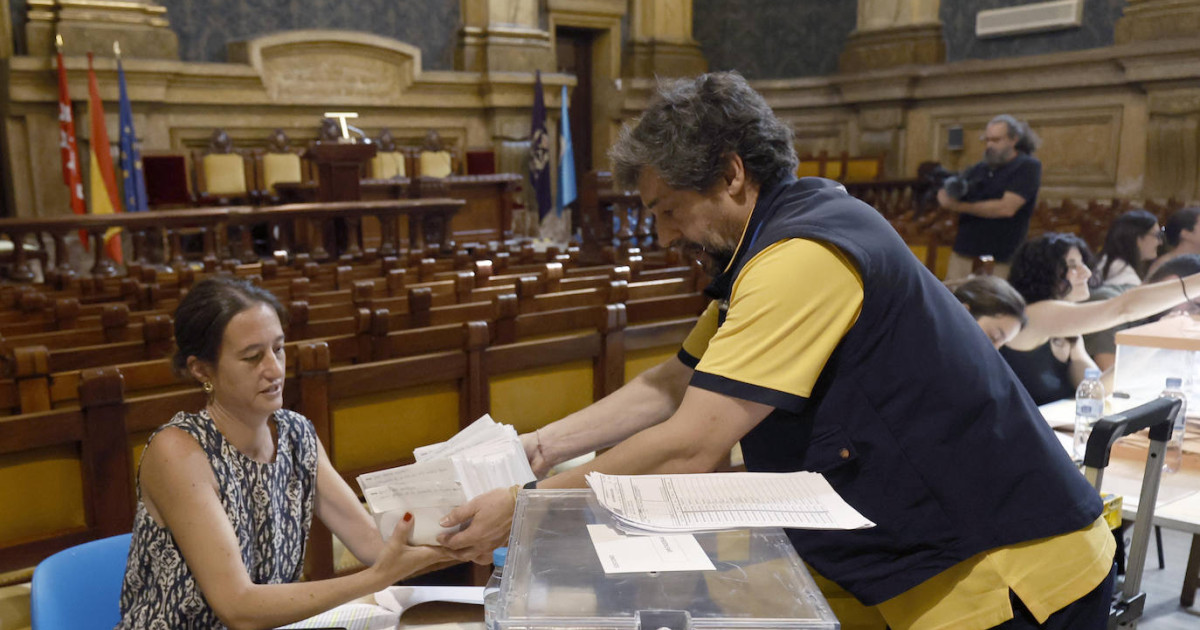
x=1149 y=354
x=554 y=579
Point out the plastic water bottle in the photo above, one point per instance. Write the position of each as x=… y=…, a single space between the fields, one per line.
x=1089 y=406
x=1174 y=458
x=491 y=592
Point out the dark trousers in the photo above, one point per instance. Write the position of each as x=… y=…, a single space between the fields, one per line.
x=1089 y=612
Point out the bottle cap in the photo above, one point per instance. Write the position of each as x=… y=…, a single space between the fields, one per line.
x=499 y=556
x=1174 y=382
x=1091 y=373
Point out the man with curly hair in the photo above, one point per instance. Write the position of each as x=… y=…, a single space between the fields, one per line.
x=1001 y=193
x=829 y=348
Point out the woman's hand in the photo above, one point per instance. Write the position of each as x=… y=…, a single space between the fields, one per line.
x=398 y=559
x=536 y=455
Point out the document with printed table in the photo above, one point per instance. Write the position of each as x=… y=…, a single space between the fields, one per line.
x=717 y=501
x=481 y=457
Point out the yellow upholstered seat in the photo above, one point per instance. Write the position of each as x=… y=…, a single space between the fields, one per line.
x=864 y=169
x=280 y=167
x=388 y=164
x=224 y=174
x=436 y=164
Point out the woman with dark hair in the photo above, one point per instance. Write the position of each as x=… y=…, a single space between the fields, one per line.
x=1051 y=267
x=1129 y=247
x=1052 y=273
x=996 y=306
x=226 y=495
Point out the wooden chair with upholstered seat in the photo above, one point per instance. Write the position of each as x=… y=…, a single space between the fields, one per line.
x=279 y=163
x=435 y=160
x=223 y=175
x=389 y=161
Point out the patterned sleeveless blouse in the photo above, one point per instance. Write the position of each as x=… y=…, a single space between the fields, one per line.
x=270 y=506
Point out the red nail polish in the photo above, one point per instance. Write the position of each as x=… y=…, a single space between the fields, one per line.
x=407 y=516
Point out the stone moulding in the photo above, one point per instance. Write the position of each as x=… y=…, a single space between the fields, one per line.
x=332 y=67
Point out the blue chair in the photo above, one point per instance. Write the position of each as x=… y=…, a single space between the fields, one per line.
x=80 y=587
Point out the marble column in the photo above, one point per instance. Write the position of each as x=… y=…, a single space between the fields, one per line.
x=93 y=25
x=1158 y=19
x=503 y=36
x=661 y=42
x=892 y=33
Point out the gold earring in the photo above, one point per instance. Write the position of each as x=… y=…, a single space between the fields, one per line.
x=207 y=387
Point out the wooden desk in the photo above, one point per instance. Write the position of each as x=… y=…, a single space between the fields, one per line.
x=1178 y=504
x=1184 y=515
x=486 y=216
x=443 y=616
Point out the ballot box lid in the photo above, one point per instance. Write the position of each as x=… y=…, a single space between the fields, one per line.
x=1178 y=332
x=553 y=577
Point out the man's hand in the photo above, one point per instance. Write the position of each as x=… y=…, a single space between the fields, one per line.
x=490 y=519
x=944 y=199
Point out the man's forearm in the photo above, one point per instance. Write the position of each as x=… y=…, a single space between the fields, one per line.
x=695 y=439
x=643 y=402
x=989 y=209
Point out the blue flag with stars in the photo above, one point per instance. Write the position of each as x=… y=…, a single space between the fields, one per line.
x=134 y=184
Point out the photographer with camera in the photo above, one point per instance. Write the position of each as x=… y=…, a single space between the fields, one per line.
x=995 y=197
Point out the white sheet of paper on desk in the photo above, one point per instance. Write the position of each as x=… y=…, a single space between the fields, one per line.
x=716 y=501
x=621 y=553
x=352 y=617
x=1060 y=413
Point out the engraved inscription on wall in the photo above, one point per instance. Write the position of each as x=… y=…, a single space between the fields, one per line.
x=335 y=73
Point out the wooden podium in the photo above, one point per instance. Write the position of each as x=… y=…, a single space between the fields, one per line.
x=339 y=167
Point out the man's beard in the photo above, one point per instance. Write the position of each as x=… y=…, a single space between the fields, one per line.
x=994 y=158
x=714 y=259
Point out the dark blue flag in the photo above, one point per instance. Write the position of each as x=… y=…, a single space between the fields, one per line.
x=134 y=184
x=539 y=152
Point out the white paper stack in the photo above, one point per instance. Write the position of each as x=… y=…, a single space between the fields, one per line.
x=487 y=455
x=482 y=457
x=717 y=501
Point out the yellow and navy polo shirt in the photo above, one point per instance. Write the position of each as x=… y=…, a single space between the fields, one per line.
x=773 y=346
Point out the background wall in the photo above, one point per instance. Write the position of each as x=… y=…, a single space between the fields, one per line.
x=958 y=28
x=768 y=39
x=206 y=26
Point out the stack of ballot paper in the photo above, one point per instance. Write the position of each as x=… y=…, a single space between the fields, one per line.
x=716 y=501
x=482 y=457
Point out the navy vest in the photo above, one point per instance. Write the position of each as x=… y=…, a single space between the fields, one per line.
x=916 y=420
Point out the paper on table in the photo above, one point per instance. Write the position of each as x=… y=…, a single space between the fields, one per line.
x=714 y=501
x=352 y=617
x=400 y=598
x=620 y=553
x=1060 y=413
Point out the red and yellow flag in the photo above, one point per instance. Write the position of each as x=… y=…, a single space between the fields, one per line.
x=102 y=180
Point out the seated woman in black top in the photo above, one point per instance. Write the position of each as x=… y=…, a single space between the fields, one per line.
x=1051 y=267
x=996 y=306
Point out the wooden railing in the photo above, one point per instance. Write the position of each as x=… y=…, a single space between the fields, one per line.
x=427 y=220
